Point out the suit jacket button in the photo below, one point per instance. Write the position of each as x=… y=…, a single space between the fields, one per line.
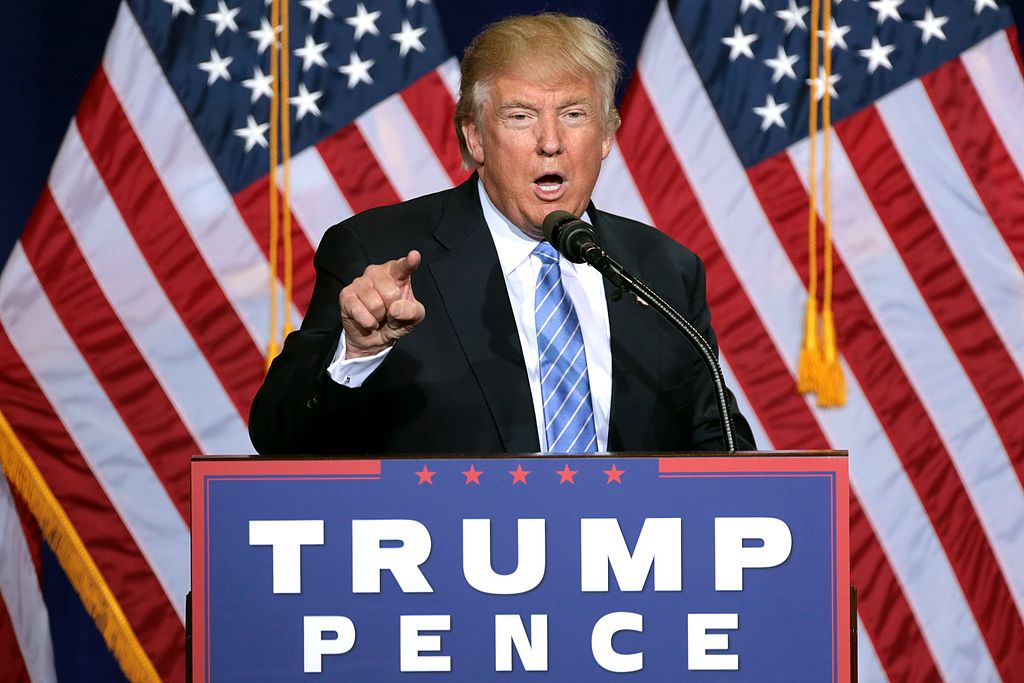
x=311 y=403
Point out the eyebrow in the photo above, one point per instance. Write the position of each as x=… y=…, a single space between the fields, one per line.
x=518 y=104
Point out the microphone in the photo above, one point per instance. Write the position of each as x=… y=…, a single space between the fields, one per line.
x=577 y=241
x=573 y=238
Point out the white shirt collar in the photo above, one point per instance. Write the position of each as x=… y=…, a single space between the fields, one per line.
x=513 y=245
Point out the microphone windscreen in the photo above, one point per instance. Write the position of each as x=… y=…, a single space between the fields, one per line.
x=553 y=222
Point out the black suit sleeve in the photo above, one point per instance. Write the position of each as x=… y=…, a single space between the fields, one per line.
x=299 y=403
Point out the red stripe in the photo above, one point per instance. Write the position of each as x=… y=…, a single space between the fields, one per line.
x=882 y=605
x=766 y=380
x=431 y=104
x=166 y=244
x=360 y=178
x=981 y=150
x=935 y=270
x=107 y=540
x=108 y=349
x=912 y=434
x=254 y=204
x=12 y=664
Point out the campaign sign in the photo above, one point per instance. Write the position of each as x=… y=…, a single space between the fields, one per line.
x=715 y=568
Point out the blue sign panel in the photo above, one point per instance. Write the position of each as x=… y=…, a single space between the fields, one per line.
x=689 y=568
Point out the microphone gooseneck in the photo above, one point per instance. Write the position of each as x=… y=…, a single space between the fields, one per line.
x=577 y=241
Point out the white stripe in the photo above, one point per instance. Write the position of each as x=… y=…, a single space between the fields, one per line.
x=316 y=200
x=869 y=668
x=95 y=426
x=451 y=74
x=191 y=181
x=19 y=589
x=402 y=151
x=136 y=296
x=616 y=191
x=980 y=250
x=993 y=69
x=585 y=400
x=777 y=293
x=930 y=364
x=572 y=365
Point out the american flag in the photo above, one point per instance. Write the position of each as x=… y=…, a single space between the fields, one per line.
x=134 y=309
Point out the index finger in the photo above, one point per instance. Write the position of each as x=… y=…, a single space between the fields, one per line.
x=401 y=269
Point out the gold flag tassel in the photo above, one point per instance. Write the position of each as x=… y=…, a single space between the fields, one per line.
x=818 y=366
x=280 y=202
x=831 y=385
x=74 y=557
x=808 y=367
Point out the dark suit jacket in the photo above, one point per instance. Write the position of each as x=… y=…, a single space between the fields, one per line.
x=458 y=382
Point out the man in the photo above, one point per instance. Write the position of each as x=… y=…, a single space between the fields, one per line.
x=444 y=324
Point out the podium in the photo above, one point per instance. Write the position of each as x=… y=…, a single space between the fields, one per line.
x=682 y=567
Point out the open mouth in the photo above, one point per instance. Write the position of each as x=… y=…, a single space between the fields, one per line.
x=549 y=185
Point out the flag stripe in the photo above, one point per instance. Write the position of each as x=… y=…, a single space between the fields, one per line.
x=979 y=455
x=95 y=518
x=254 y=205
x=397 y=142
x=946 y=189
x=904 y=418
x=98 y=334
x=136 y=296
x=878 y=480
x=316 y=199
x=22 y=610
x=980 y=149
x=164 y=243
x=134 y=490
x=355 y=169
x=431 y=105
x=782 y=411
x=184 y=168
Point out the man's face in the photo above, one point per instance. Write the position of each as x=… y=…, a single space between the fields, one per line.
x=539 y=146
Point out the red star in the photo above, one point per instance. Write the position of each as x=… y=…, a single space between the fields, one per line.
x=566 y=475
x=426 y=476
x=473 y=475
x=614 y=474
x=518 y=475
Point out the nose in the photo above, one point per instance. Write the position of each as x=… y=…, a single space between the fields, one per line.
x=549 y=135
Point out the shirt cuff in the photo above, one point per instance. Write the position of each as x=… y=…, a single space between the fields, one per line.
x=353 y=372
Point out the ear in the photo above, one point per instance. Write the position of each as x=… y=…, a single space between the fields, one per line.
x=474 y=139
x=606 y=144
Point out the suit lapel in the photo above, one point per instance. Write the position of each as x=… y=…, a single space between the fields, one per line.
x=469 y=279
x=634 y=358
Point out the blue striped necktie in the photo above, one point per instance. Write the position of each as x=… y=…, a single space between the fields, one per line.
x=564 y=383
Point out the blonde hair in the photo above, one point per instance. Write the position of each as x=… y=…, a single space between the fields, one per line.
x=553 y=45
